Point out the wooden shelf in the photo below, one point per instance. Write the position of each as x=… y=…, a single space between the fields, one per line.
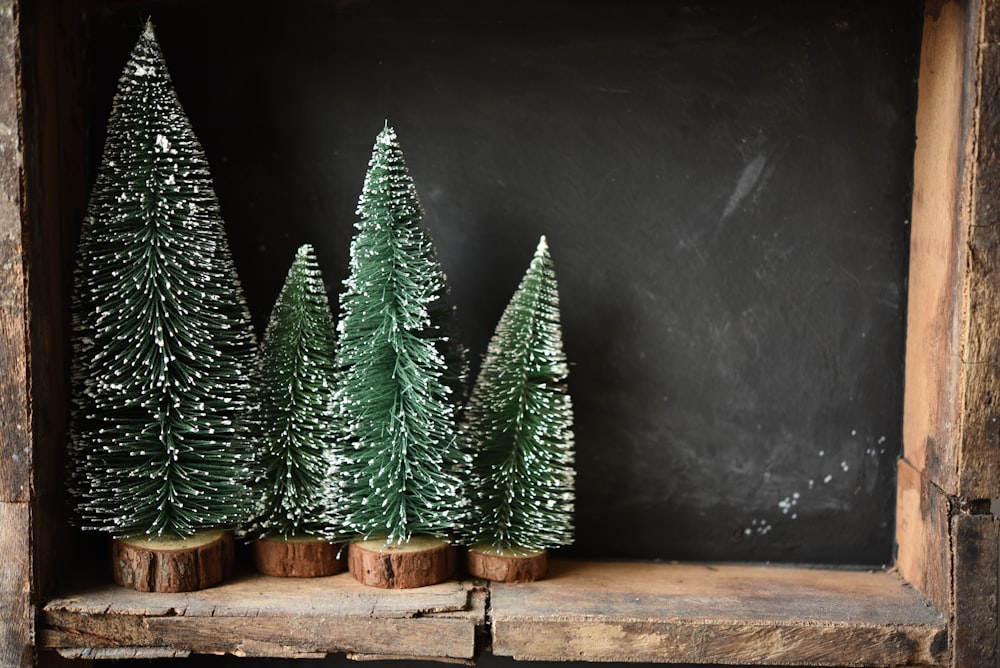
x=258 y=615
x=689 y=613
x=594 y=611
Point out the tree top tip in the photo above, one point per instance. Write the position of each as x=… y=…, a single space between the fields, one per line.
x=387 y=135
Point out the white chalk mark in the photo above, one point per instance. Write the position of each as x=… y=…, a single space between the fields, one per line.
x=745 y=184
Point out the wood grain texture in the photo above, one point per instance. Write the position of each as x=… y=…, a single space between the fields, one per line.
x=419 y=563
x=264 y=616
x=16 y=609
x=726 y=614
x=16 y=455
x=979 y=452
x=170 y=566
x=931 y=408
x=16 y=489
x=923 y=537
x=952 y=393
x=15 y=446
x=953 y=354
x=974 y=597
x=506 y=568
x=297 y=558
x=584 y=610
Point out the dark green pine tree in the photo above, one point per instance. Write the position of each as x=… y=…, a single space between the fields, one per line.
x=402 y=467
x=295 y=471
x=162 y=341
x=518 y=424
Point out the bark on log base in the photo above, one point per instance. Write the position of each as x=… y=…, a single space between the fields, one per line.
x=169 y=564
x=305 y=557
x=420 y=562
x=499 y=565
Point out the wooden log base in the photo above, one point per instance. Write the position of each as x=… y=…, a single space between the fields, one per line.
x=420 y=562
x=170 y=564
x=506 y=565
x=297 y=557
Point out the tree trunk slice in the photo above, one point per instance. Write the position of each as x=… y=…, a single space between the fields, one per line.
x=420 y=562
x=305 y=557
x=169 y=564
x=500 y=565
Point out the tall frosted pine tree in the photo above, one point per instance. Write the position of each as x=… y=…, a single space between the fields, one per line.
x=296 y=484
x=402 y=467
x=162 y=341
x=518 y=425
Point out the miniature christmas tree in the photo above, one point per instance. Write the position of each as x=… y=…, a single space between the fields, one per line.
x=518 y=425
x=402 y=464
x=162 y=341
x=293 y=481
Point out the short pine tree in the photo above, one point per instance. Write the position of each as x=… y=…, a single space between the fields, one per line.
x=295 y=476
x=518 y=424
x=162 y=341
x=401 y=463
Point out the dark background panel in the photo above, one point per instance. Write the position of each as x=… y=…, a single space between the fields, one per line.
x=724 y=186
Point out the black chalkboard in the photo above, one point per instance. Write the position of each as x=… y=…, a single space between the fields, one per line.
x=725 y=189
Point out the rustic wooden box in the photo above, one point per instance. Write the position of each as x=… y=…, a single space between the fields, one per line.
x=935 y=606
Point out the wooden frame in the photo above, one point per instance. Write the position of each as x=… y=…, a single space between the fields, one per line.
x=936 y=606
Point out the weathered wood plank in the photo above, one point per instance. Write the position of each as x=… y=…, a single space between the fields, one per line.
x=923 y=555
x=592 y=611
x=15 y=424
x=15 y=444
x=952 y=354
x=979 y=453
x=247 y=636
x=974 y=629
x=16 y=610
x=931 y=396
x=727 y=614
x=17 y=616
x=266 y=616
x=258 y=595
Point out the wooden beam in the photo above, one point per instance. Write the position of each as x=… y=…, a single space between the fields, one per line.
x=16 y=489
x=931 y=420
x=974 y=631
x=978 y=475
x=668 y=613
x=690 y=613
x=953 y=353
x=266 y=616
x=15 y=462
x=947 y=538
x=17 y=617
